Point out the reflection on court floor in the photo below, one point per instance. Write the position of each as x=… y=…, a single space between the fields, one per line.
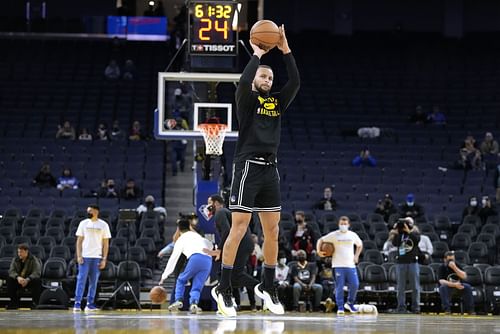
x=152 y=322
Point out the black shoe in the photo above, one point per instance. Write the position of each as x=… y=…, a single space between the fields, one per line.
x=12 y=306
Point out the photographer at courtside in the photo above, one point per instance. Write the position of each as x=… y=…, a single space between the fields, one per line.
x=405 y=236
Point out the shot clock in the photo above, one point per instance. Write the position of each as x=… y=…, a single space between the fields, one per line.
x=213 y=28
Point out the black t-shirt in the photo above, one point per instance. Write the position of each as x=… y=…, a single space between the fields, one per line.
x=306 y=273
x=259 y=116
x=447 y=273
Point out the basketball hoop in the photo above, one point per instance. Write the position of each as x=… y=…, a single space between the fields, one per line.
x=213 y=135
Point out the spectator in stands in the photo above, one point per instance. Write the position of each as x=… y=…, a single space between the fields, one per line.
x=487 y=210
x=131 y=190
x=129 y=70
x=116 y=132
x=385 y=207
x=496 y=182
x=347 y=249
x=451 y=277
x=44 y=178
x=284 y=246
x=425 y=249
x=24 y=273
x=136 y=131
x=326 y=277
x=282 y=276
x=112 y=71
x=149 y=205
x=257 y=250
x=418 y=117
x=84 y=134
x=108 y=189
x=410 y=208
x=470 y=156
x=326 y=203
x=304 y=279
x=102 y=132
x=364 y=159
x=406 y=238
x=67 y=180
x=92 y=245
x=472 y=208
x=302 y=236
x=66 y=131
x=436 y=117
x=489 y=150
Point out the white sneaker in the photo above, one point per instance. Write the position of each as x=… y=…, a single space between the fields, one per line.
x=340 y=312
x=175 y=307
x=271 y=301
x=225 y=303
x=194 y=309
x=351 y=308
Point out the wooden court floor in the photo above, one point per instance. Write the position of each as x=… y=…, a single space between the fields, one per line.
x=160 y=321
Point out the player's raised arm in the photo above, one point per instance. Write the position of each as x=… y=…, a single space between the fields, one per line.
x=292 y=86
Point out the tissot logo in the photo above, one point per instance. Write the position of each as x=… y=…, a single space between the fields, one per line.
x=213 y=48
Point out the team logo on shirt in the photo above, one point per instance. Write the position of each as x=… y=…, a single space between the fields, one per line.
x=268 y=106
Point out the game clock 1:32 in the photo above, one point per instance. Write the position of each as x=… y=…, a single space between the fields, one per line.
x=213 y=28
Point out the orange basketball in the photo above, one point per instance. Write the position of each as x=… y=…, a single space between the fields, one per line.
x=328 y=248
x=158 y=295
x=265 y=34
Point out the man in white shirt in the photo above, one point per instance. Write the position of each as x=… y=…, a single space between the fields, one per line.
x=198 y=266
x=344 y=261
x=92 y=246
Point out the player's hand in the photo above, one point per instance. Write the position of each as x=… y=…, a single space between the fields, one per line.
x=356 y=259
x=80 y=260
x=161 y=282
x=283 y=43
x=259 y=52
x=211 y=252
x=102 y=264
x=321 y=254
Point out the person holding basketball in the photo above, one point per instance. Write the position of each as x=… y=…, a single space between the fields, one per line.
x=344 y=262
x=255 y=185
x=451 y=276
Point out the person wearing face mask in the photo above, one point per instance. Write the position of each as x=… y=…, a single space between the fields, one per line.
x=327 y=203
x=451 y=277
x=304 y=279
x=92 y=246
x=116 y=132
x=472 y=209
x=282 y=279
x=108 y=190
x=487 y=209
x=102 y=132
x=241 y=276
x=385 y=207
x=410 y=208
x=344 y=262
x=302 y=236
x=405 y=237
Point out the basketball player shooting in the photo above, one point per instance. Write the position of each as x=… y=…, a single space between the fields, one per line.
x=255 y=185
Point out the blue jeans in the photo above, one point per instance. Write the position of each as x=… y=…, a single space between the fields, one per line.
x=89 y=269
x=410 y=272
x=345 y=276
x=445 y=294
x=198 y=268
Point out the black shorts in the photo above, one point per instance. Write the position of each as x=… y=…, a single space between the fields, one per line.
x=255 y=187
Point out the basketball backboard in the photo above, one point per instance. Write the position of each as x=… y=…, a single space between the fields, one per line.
x=186 y=100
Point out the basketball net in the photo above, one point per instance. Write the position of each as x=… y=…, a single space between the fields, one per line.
x=213 y=135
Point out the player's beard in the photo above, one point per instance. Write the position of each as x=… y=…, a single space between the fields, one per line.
x=263 y=91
